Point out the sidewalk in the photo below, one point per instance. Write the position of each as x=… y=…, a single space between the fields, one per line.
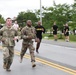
x=60 y=43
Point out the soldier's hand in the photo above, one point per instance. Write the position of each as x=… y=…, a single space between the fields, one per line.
x=15 y=38
x=3 y=39
x=37 y=40
x=42 y=29
x=29 y=37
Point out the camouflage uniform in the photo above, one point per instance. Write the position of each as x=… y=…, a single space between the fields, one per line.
x=28 y=43
x=8 y=44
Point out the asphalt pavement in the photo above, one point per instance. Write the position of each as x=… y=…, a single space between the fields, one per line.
x=60 y=43
x=51 y=52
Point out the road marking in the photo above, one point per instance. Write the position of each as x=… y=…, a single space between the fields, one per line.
x=62 y=68
x=65 y=69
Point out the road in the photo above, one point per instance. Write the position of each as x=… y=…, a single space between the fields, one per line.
x=54 y=58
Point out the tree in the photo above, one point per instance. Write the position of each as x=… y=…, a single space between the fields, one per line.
x=74 y=11
x=59 y=13
x=24 y=16
x=1 y=19
x=72 y=23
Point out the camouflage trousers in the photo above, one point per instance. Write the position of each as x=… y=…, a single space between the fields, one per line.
x=8 y=54
x=31 y=50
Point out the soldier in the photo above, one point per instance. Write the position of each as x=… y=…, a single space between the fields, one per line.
x=55 y=29
x=28 y=34
x=7 y=36
x=39 y=30
x=66 y=32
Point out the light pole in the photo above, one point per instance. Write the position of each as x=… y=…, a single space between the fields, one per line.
x=40 y=12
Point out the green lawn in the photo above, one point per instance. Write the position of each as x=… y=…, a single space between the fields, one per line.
x=50 y=36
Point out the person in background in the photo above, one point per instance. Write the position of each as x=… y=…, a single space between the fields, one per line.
x=66 y=32
x=16 y=26
x=39 y=30
x=55 y=28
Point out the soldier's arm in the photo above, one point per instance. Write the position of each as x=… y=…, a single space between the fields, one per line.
x=17 y=35
x=34 y=33
x=23 y=34
x=1 y=33
x=43 y=30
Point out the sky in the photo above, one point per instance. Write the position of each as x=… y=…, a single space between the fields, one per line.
x=11 y=8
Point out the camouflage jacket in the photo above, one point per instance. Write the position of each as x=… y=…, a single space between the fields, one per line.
x=26 y=32
x=8 y=35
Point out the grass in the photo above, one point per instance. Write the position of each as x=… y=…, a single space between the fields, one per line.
x=60 y=37
x=73 y=38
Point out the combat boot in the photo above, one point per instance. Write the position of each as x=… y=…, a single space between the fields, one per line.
x=8 y=69
x=37 y=51
x=21 y=60
x=33 y=64
x=4 y=65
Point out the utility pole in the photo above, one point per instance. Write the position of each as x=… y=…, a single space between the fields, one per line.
x=40 y=12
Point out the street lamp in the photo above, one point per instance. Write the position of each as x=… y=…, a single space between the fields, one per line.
x=40 y=12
